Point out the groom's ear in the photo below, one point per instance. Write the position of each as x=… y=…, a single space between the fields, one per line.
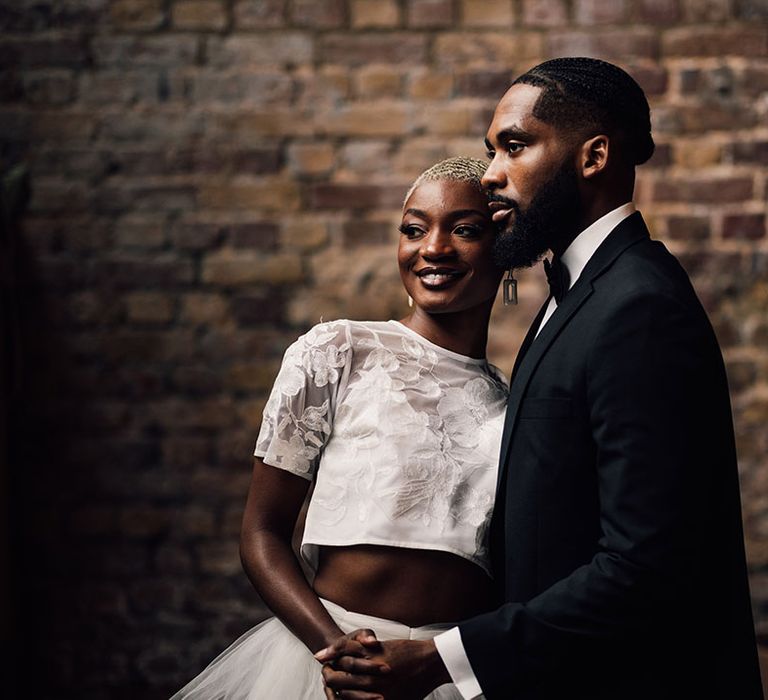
x=593 y=156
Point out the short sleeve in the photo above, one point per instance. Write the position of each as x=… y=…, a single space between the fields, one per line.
x=298 y=417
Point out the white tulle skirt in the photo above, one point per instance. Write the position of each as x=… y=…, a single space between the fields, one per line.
x=268 y=661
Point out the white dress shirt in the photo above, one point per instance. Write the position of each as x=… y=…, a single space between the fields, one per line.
x=575 y=259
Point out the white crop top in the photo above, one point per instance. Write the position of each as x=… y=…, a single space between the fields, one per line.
x=401 y=435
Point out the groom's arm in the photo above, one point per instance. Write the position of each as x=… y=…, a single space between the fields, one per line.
x=644 y=374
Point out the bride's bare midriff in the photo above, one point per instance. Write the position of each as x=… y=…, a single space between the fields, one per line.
x=413 y=586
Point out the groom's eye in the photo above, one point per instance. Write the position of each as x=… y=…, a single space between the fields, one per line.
x=515 y=147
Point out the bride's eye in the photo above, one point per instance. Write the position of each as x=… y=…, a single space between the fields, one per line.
x=466 y=231
x=410 y=230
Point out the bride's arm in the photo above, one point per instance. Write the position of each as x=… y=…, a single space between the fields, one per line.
x=274 y=501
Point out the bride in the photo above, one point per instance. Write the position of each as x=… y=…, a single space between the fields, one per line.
x=398 y=425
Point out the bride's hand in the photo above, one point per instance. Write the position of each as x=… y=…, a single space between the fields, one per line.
x=360 y=644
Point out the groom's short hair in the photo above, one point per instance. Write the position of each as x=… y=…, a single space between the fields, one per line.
x=586 y=96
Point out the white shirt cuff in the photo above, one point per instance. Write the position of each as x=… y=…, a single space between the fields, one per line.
x=451 y=650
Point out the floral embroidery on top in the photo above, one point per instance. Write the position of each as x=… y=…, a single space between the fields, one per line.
x=406 y=435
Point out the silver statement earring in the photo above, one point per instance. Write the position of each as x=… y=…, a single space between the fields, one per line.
x=410 y=301
x=509 y=290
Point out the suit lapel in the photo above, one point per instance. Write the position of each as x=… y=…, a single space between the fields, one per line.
x=626 y=234
x=530 y=336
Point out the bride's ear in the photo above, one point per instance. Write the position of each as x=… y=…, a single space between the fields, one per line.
x=593 y=156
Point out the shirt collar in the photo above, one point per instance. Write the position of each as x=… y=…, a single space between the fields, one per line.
x=583 y=247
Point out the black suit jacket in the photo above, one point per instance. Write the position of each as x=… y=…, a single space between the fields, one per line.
x=617 y=540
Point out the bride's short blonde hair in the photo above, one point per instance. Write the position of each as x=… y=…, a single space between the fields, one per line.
x=460 y=169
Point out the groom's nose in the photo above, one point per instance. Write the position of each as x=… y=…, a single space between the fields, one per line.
x=494 y=177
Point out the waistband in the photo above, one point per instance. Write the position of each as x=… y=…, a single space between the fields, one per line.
x=384 y=629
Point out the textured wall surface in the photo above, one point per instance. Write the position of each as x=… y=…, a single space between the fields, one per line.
x=210 y=178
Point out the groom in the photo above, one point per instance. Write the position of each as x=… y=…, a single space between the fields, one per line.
x=616 y=540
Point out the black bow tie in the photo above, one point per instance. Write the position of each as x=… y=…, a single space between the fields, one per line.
x=558 y=278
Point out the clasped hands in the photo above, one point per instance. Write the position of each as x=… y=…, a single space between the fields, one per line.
x=358 y=666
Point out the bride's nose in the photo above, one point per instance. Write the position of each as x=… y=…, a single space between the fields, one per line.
x=437 y=244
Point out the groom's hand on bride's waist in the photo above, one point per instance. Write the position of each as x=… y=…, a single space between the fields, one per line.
x=359 y=667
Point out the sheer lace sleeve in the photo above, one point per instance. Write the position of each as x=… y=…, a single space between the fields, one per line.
x=298 y=417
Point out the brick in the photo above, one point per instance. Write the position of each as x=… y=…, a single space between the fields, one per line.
x=378 y=81
x=430 y=14
x=380 y=118
x=260 y=88
x=706 y=10
x=311 y=158
x=483 y=83
x=749 y=152
x=257 y=309
x=199 y=15
x=120 y=271
x=193 y=235
x=493 y=14
x=662 y=12
x=697 y=153
x=53 y=87
x=343 y=196
x=171 y=51
x=427 y=84
x=113 y=199
x=43 y=52
x=137 y=15
x=251 y=376
x=304 y=234
x=697 y=118
x=545 y=13
x=653 y=78
x=149 y=307
x=453 y=120
x=268 y=193
x=593 y=12
x=365 y=156
x=688 y=228
x=219 y=559
x=259 y=14
x=497 y=49
x=716 y=41
x=235 y=268
x=197 y=380
x=258 y=235
x=324 y=88
x=201 y=308
x=751 y=10
x=368 y=14
x=611 y=44
x=750 y=227
x=140 y=232
x=274 y=48
x=195 y=521
x=363 y=48
x=188 y=451
x=143 y=521
x=254 y=125
x=706 y=190
x=111 y=87
x=319 y=14
x=362 y=233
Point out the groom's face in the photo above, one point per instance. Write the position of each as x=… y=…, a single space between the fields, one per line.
x=532 y=179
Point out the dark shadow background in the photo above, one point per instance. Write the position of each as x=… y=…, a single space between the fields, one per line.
x=211 y=177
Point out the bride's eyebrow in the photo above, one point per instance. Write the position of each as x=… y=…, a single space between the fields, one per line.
x=416 y=212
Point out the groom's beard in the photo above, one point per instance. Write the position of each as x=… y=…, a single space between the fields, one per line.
x=548 y=218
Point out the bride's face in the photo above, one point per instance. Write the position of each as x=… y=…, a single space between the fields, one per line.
x=445 y=250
